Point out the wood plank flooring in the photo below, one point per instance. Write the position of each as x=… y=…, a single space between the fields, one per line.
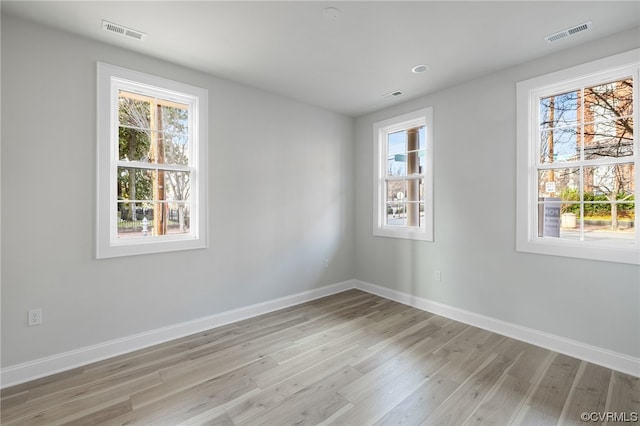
x=348 y=359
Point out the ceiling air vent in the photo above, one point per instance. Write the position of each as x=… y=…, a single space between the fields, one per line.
x=393 y=94
x=568 y=32
x=122 y=30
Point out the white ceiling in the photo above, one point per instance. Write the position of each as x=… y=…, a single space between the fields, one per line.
x=344 y=64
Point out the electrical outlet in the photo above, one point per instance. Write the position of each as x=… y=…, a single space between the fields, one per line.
x=438 y=276
x=35 y=317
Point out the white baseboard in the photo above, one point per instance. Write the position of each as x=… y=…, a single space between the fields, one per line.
x=42 y=367
x=596 y=355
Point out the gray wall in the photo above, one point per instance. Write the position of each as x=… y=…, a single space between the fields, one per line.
x=475 y=218
x=281 y=190
x=284 y=194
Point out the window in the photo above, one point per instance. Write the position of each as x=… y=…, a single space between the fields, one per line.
x=404 y=176
x=151 y=166
x=577 y=161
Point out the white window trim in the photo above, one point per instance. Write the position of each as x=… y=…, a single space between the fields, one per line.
x=109 y=79
x=380 y=130
x=528 y=93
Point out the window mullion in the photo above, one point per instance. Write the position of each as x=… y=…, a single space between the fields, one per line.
x=582 y=124
x=595 y=162
x=153 y=166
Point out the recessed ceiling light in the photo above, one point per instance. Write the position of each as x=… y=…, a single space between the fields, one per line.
x=419 y=69
x=331 y=13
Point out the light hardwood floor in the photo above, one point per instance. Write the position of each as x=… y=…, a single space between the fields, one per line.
x=348 y=359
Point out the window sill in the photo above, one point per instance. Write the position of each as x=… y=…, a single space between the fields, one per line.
x=157 y=246
x=403 y=233
x=580 y=250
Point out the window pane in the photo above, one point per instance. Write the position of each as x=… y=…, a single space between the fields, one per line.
x=395 y=201
x=555 y=182
x=135 y=184
x=604 y=101
x=177 y=185
x=609 y=202
x=549 y=217
x=625 y=209
x=422 y=144
x=135 y=219
x=133 y=144
x=615 y=224
x=158 y=153
x=133 y=111
x=176 y=149
x=571 y=200
x=423 y=161
x=397 y=143
x=415 y=214
x=175 y=119
x=152 y=219
x=608 y=124
x=608 y=139
x=396 y=214
x=397 y=165
x=413 y=163
x=609 y=180
x=559 y=110
x=396 y=190
x=559 y=145
x=412 y=200
x=400 y=213
x=397 y=154
x=600 y=130
x=178 y=218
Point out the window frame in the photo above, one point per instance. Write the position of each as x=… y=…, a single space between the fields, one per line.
x=110 y=79
x=421 y=117
x=529 y=93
